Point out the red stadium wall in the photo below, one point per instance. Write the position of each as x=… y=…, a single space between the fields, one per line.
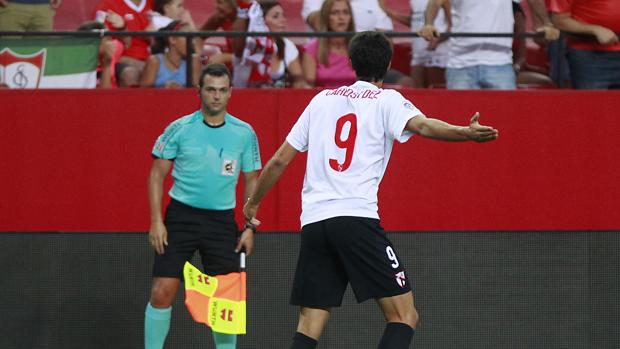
x=78 y=160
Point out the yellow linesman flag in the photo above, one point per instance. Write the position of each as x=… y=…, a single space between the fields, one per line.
x=218 y=302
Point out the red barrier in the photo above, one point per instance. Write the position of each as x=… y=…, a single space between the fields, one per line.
x=78 y=160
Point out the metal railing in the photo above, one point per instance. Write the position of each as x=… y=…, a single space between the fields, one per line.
x=211 y=34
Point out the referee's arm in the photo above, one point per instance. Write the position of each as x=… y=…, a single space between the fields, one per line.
x=158 y=236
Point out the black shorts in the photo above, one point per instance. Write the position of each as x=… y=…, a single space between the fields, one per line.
x=342 y=250
x=212 y=232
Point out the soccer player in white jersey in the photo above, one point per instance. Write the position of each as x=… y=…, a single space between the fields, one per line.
x=348 y=133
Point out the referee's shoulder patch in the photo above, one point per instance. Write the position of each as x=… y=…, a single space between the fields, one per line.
x=239 y=123
x=174 y=128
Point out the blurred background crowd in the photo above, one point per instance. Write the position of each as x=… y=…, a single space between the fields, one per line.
x=588 y=59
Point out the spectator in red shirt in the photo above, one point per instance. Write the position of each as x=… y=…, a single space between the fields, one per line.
x=594 y=64
x=127 y=15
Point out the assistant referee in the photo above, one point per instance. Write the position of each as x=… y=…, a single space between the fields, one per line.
x=209 y=148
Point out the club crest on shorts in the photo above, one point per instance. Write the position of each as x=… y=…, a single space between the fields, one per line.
x=229 y=167
x=400 y=279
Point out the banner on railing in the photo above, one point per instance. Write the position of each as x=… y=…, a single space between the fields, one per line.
x=61 y=62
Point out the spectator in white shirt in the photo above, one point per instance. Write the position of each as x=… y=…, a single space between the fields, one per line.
x=368 y=15
x=477 y=63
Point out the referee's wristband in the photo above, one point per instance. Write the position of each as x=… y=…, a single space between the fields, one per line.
x=250 y=226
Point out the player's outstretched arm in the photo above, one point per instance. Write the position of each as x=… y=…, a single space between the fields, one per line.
x=443 y=131
x=268 y=177
x=246 y=240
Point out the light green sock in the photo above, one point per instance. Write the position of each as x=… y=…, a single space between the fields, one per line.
x=225 y=341
x=156 y=326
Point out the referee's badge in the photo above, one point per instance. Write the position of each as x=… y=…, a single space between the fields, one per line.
x=229 y=167
x=400 y=279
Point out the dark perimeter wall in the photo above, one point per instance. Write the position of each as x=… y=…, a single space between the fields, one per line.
x=473 y=289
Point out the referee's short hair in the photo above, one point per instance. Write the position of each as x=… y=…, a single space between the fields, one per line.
x=214 y=69
x=370 y=53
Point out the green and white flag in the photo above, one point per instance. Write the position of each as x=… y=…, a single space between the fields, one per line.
x=58 y=62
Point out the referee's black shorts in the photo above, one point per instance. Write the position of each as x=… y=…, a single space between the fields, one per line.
x=342 y=250
x=212 y=232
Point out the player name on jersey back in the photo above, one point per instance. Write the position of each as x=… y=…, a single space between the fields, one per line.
x=346 y=91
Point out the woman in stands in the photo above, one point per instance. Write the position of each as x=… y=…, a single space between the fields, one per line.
x=167 y=65
x=285 y=64
x=268 y=61
x=326 y=60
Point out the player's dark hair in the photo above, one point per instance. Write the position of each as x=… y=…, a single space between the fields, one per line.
x=370 y=53
x=214 y=69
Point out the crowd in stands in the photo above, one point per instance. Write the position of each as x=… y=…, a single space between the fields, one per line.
x=453 y=62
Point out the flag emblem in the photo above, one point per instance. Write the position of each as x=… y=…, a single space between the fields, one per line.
x=21 y=71
x=55 y=62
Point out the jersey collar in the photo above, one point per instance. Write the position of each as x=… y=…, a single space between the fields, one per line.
x=364 y=84
x=138 y=8
x=211 y=126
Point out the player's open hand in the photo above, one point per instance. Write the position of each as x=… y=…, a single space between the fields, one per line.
x=480 y=133
x=158 y=237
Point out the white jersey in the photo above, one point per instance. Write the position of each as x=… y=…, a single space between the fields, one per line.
x=475 y=16
x=348 y=133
